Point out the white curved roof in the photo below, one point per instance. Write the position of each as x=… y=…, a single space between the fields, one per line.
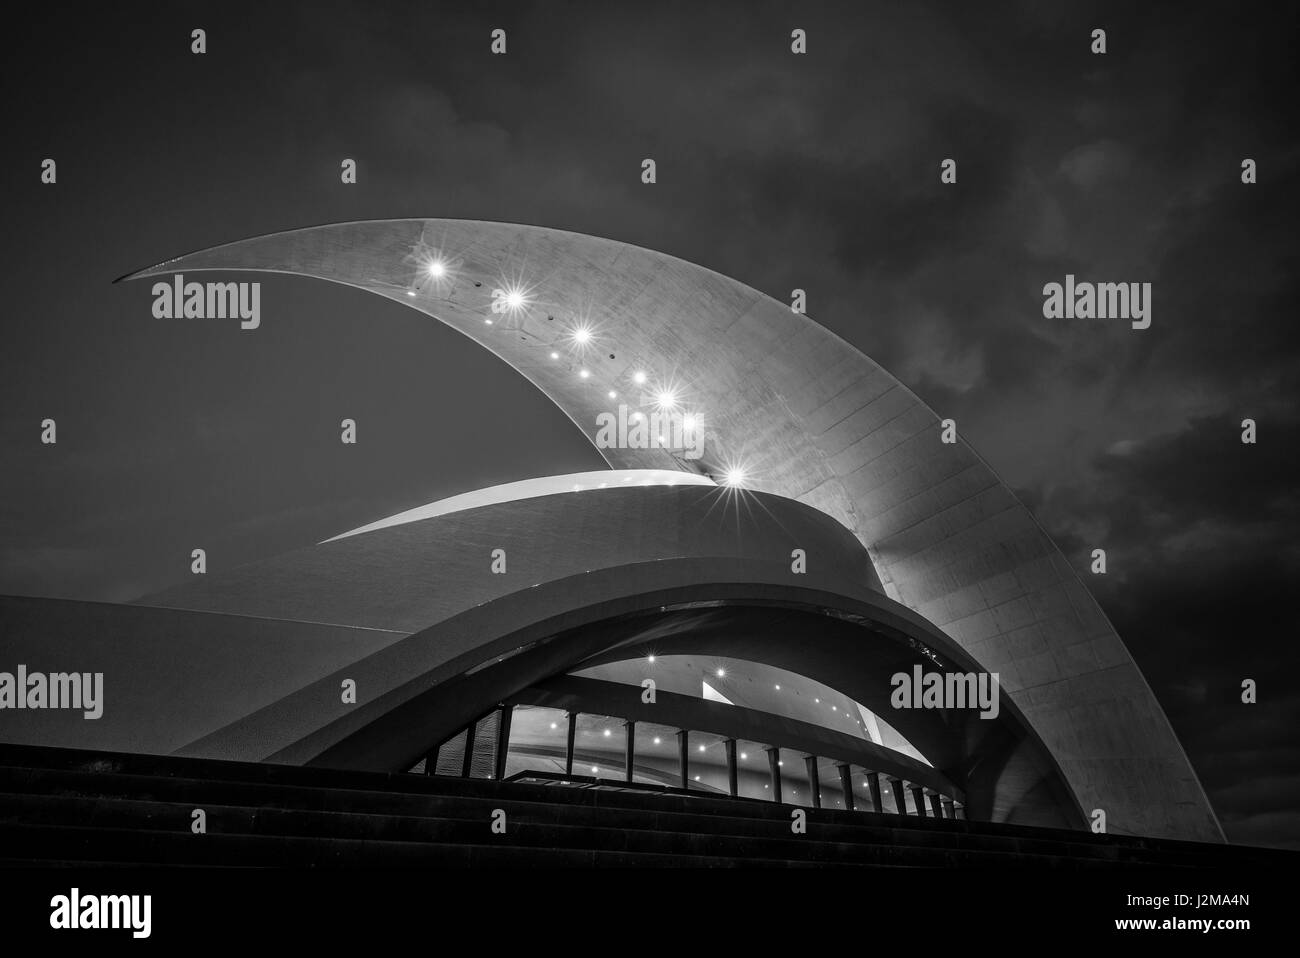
x=531 y=489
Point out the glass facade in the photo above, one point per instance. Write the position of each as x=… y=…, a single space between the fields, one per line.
x=828 y=784
x=795 y=789
x=599 y=747
x=656 y=761
x=539 y=741
x=706 y=764
x=753 y=777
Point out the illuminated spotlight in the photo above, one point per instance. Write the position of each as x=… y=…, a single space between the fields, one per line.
x=581 y=335
x=515 y=299
x=639 y=378
x=658 y=740
x=778 y=688
x=743 y=756
x=584 y=373
x=595 y=770
x=612 y=394
x=701 y=748
x=555 y=355
x=666 y=399
x=553 y=725
x=411 y=293
x=835 y=708
x=488 y=321
x=818 y=701
x=437 y=268
x=697 y=778
x=721 y=673
x=650 y=658
x=734 y=477
x=780 y=764
x=689 y=423
x=607 y=733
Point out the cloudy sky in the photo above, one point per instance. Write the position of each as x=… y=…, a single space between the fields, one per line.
x=816 y=171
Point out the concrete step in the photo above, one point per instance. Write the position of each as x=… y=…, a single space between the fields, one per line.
x=744 y=820
x=556 y=831
x=325 y=816
x=36 y=843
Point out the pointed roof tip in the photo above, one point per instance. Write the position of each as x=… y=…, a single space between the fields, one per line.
x=154 y=270
x=138 y=273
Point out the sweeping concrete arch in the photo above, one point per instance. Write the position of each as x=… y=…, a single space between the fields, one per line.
x=792 y=409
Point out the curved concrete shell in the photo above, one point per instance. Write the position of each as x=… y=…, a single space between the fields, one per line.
x=593 y=577
x=795 y=411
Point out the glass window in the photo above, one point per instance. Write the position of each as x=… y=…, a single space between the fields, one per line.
x=483 y=761
x=828 y=782
x=539 y=738
x=706 y=764
x=795 y=787
x=598 y=747
x=451 y=756
x=862 y=790
x=753 y=776
x=655 y=760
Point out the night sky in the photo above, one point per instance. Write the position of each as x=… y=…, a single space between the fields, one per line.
x=818 y=171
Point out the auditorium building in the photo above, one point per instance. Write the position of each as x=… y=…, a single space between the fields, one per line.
x=719 y=624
